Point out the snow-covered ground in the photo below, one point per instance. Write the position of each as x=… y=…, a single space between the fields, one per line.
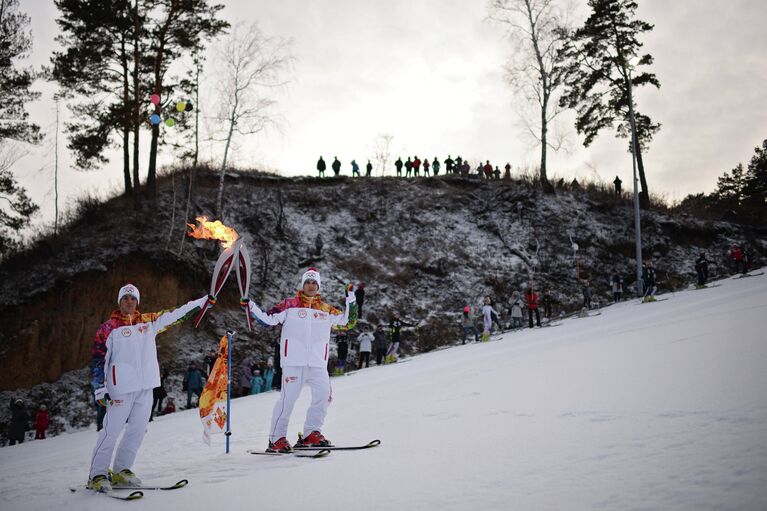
x=656 y=406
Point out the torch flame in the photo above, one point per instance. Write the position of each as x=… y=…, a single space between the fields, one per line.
x=208 y=230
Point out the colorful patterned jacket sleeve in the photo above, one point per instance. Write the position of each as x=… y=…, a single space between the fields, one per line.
x=99 y=353
x=167 y=318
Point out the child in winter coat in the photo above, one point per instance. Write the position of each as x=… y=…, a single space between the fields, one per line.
x=269 y=374
x=170 y=407
x=41 y=422
x=487 y=318
x=256 y=383
x=516 y=310
x=467 y=321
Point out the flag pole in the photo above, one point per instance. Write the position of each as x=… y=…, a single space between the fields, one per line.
x=230 y=336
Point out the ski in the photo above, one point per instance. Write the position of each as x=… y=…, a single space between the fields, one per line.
x=588 y=315
x=319 y=454
x=372 y=443
x=176 y=486
x=135 y=495
x=653 y=301
x=696 y=288
x=743 y=276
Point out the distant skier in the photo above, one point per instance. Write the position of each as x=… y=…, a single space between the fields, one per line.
x=736 y=258
x=648 y=281
x=487 y=319
x=701 y=268
x=587 y=294
x=546 y=302
x=381 y=344
x=304 y=343
x=355 y=169
x=398 y=166
x=321 y=167
x=435 y=166
x=467 y=322
x=336 y=166
x=368 y=169
x=124 y=373
x=531 y=297
x=617 y=286
x=395 y=329
x=342 y=351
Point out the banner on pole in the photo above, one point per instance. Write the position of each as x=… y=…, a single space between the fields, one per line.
x=213 y=397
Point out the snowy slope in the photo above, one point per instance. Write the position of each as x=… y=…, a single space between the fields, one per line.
x=656 y=406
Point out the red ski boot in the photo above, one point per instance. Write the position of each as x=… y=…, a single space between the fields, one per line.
x=315 y=439
x=280 y=445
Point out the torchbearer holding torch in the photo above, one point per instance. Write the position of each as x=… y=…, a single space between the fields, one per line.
x=124 y=371
x=304 y=345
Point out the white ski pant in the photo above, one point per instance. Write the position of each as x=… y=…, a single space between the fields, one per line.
x=293 y=379
x=133 y=409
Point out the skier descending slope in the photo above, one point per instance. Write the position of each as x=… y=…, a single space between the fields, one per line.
x=304 y=343
x=125 y=370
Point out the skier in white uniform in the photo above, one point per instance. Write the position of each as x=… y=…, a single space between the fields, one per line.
x=124 y=372
x=304 y=343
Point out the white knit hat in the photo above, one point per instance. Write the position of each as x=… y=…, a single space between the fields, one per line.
x=128 y=289
x=311 y=274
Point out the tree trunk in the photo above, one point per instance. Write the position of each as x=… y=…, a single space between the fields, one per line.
x=126 y=118
x=545 y=184
x=644 y=197
x=151 y=179
x=136 y=103
x=220 y=200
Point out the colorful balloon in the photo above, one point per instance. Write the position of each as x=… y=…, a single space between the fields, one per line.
x=189 y=106
x=155 y=119
x=181 y=106
x=155 y=99
x=170 y=122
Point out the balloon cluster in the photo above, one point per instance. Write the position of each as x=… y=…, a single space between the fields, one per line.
x=181 y=107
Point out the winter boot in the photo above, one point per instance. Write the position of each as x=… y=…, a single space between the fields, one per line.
x=99 y=483
x=315 y=439
x=281 y=445
x=125 y=478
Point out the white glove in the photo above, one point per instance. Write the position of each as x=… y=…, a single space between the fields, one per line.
x=350 y=297
x=101 y=396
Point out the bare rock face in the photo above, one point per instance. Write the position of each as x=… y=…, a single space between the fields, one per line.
x=54 y=333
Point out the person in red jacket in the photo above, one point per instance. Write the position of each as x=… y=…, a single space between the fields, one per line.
x=488 y=170
x=736 y=258
x=531 y=297
x=41 y=422
x=416 y=166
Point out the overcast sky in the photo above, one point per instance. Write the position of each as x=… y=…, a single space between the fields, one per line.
x=430 y=73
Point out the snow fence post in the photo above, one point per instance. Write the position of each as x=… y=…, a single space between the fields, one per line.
x=228 y=433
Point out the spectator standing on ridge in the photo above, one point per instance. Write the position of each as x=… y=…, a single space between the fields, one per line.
x=449 y=165
x=269 y=374
x=458 y=165
x=193 y=383
x=531 y=297
x=398 y=166
x=321 y=167
x=368 y=169
x=435 y=166
x=381 y=343
x=507 y=174
x=497 y=173
x=617 y=285
x=208 y=362
x=355 y=169
x=617 y=182
x=701 y=268
x=395 y=328
x=736 y=259
x=467 y=322
x=359 y=294
x=366 y=346
x=426 y=167
x=748 y=259
x=336 y=166
x=159 y=393
x=41 y=422
x=416 y=166
x=408 y=167
x=488 y=169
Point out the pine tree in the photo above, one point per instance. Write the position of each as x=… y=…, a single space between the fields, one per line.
x=600 y=54
x=15 y=92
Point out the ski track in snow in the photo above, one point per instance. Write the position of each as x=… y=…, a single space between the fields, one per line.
x=657 y=406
